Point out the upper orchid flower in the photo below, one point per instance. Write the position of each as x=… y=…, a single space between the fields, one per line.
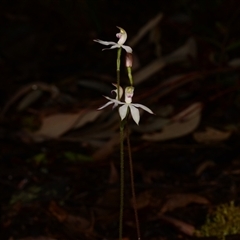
x=122 y=39
x=123 y=110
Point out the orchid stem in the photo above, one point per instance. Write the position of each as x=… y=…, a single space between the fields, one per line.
x=129 y=70
x=121 y=180
x=132 y=183
x=121 y=151
x=118 y=71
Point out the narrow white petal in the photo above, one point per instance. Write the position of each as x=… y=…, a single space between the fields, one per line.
x=104 y=42
x=114 y=100
x=115 y=105
x=127 y=48
x=106 y=49
x=105 y=105
x=143 y=107
x=114 y=46
x=116 y=91
x=123 y=111
x=135 y=113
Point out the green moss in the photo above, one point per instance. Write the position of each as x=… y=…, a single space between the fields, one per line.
x=225 y=220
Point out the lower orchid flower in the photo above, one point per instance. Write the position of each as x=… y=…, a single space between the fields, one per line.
x=123 y=110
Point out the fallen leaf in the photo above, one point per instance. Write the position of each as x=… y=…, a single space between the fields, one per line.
x=147 y=71
x=164 y=111
x=107 y=148
x=182 y=200
x=77 y=223
x=143 y=199
x=183 y=227
x=89 y=116
x=39 y=86
x=157 y=123
x=179 y=55
x=183 y=53
x=35 y=238
x=191 y=116
x=57 y=212
x=99 y=86
x=56 y=125
x=30 y=98
x=203 y=166
x=211 y=135
x=189 y=112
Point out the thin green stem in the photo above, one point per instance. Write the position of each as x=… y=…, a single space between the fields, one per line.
x=129 y=70
x=119 y=59
x=132 y=183
x=121 y=151
x=118 y=70
x=121 y=180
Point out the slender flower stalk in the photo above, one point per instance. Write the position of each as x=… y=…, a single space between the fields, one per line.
x=118 y=71
x=128 y=63
x=121 y=129
x=134 y=201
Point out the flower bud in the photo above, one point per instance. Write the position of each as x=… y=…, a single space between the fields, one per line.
x=129 y=60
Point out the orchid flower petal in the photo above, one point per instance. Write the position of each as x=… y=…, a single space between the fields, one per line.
x=115 y=46
x=116 y=91
x=127 y=48
x=122 y=36
x=143 y=107
x=135 y=113
x=123 y=111
x=105 y=105
x=114 y=100
x=112 y=47
x=104 y=42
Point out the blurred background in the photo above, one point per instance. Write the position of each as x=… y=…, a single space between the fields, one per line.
x=59 y=156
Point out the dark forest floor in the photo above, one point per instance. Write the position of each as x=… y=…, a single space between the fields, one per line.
x=61 y=181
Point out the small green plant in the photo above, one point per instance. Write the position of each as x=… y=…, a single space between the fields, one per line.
x=25 y=196
x=225 y=220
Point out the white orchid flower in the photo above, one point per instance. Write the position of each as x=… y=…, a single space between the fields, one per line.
x=122 y=35
x=123 y=110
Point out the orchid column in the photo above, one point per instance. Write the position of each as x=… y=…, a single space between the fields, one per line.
x=125 y=109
